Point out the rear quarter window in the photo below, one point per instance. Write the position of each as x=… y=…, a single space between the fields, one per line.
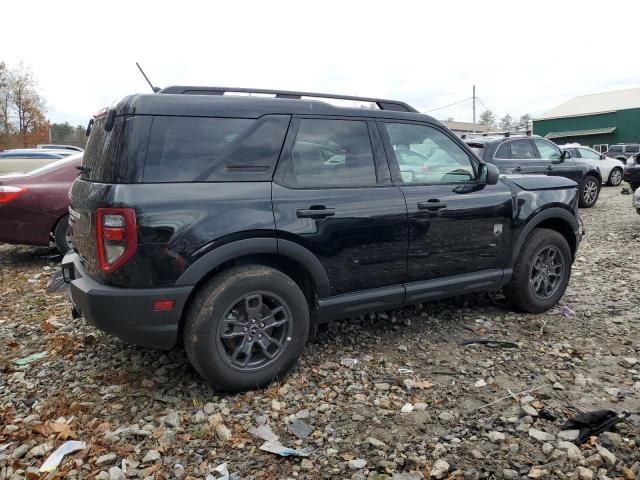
x=199 y=149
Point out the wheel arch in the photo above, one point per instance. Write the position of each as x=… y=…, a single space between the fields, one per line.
x=558 y=219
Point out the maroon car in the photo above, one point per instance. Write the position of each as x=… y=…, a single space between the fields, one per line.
x=34 y=206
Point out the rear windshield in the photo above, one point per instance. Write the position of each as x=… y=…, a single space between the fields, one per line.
x=172 y=149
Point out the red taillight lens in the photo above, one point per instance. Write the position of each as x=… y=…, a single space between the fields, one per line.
x=117 y=237
x=9 y=193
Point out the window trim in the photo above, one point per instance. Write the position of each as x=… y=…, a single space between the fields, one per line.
x=284 y=161
x=392 y=160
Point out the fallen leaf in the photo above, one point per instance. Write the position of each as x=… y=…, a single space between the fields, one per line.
x=347 y=456
x=423 y=384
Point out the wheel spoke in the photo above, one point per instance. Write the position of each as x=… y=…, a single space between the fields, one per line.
x=265 y=342
x=245 y=347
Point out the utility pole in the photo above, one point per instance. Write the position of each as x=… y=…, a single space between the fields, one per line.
x=474 y=104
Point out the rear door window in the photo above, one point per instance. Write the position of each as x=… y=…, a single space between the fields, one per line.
x=615 y=149
x=195 y=149
x=522 y=150
x=503 y=151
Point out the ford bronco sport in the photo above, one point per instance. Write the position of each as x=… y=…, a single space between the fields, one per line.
x=235 y=224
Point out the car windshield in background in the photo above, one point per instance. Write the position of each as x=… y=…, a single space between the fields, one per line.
x=56 y=164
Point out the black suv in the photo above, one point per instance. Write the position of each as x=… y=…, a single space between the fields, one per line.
x=235 y=224
x=534 y=155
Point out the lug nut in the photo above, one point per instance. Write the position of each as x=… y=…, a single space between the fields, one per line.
x=245 y=329
x=262 y=325
x=259 y=336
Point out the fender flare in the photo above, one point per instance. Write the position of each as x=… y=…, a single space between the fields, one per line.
x=550 y=213
x=255 y=246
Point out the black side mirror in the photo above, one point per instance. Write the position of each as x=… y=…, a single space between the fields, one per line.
x=602 y=156
x=566 y=155
x=489 y=174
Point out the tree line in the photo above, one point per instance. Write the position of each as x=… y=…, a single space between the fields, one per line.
x=506 y=123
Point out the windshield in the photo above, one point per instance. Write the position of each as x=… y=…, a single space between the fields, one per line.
x=56 y=164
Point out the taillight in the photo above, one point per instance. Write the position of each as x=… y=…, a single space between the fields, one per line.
x=9 y=193
x=117 y=237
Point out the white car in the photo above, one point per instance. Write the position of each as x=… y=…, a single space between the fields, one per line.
x=636 y=200
x=610 y=168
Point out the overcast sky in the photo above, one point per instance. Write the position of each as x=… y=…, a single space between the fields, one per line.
x=523 y=57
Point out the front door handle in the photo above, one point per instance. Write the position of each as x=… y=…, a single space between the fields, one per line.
x=319 y=211
x=517 y=169
x=431 y=205
x=549 y=167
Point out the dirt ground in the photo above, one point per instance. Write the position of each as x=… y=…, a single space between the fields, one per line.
x=393 y=395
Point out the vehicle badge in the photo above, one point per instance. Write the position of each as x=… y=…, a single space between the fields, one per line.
x=497 y=229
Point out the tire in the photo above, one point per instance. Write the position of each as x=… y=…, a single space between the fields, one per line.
x=233 y=295
x=589 y=191
x=520 y=289
x=615 y=177
x=61 y=235
x=634 y=186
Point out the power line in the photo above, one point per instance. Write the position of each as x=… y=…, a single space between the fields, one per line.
x=451 y=105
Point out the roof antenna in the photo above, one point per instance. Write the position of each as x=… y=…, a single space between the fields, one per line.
x=155 y=89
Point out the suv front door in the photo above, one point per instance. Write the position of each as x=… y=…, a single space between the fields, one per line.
x=551 y=154
x=332 y=194
x=457 y=225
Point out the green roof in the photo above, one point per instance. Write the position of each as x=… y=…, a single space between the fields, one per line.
x=581 y=133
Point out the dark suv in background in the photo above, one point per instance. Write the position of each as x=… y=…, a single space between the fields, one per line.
x=622 y=151
x=235 y=224
x=534 y=155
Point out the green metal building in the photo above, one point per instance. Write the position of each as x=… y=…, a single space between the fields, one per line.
x=597 y=120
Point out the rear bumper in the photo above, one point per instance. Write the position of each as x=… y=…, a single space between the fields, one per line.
x=126 y=313
x=631 y=174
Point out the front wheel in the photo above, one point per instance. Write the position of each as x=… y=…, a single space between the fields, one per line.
x=246 y=327
x=541 y=273
x=615 y=177
x=589 y=192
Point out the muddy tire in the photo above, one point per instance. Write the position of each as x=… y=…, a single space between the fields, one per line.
x=541 y=273
x=246 y=327
x=589 y=191
x=61 y=235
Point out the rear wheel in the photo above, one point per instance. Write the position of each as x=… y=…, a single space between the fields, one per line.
x=541 y=273
x=589 y=191
x=62 y=236
x=246 y=328
x=615 y=177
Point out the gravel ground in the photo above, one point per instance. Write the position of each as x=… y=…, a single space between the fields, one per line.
x=387 y=396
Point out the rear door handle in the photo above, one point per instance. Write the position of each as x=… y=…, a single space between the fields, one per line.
x=517 y=169
x=315 y=212
x=431 y=205
x=549 y=167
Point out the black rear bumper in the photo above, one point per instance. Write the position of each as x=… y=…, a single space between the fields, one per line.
x=127 y=313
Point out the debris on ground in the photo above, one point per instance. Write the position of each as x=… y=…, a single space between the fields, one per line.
x=31 y=358
x=53 y=460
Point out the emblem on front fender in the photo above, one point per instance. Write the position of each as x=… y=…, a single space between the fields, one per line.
x=497 y=229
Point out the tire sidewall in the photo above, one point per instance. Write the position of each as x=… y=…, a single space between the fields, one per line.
x=616 y=169
x=59 y=235
x=203 y=331
x=539 y=242
x=583 y=202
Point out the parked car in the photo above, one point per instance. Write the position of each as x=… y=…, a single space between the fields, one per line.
x=34 y=205
x=636 y=200
x=26 y=159
x=632 y=172
x=611 y=169
x=52 y=146
x=622 y=151
x=534 y=155
x=220 y=222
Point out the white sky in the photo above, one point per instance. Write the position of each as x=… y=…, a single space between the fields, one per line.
x=523 y=57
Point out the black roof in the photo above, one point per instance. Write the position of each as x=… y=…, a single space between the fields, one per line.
x=248 y=107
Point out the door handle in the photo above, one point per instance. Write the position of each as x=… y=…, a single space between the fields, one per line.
x=549 y=167
x=517 y=169
x=431 y=205
x=315 y=212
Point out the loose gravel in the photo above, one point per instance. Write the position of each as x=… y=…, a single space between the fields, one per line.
x=386 y=396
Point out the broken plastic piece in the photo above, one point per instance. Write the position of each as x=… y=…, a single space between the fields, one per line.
x=593 y=423
x=265 y=433
x=490 y=343
x=300 y=429
x=52 y=462
x=56 y=282
x=566 y=311
x=349 y=362
x=273 y=447
x=222 y=471
x=32 y=358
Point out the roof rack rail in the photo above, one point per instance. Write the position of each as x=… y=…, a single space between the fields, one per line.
x=519 y=133
x=382 y=104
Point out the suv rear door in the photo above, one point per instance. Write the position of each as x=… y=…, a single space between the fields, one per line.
x=332 y=194
x=457 y=226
